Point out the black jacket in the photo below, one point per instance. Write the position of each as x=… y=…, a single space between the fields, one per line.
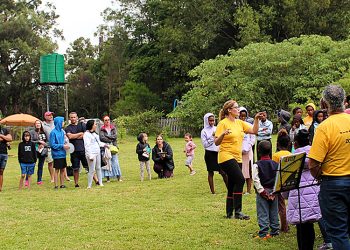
x=139 y=151
x=26 y=152
x=168 y=159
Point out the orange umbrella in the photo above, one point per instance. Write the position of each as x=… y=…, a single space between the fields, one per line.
x=19 y=120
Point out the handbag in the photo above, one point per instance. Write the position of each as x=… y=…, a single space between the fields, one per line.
x=114 y=149
x=44 y=152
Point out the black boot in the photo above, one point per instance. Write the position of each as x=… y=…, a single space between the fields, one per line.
x=238 y=208
x=229 y=207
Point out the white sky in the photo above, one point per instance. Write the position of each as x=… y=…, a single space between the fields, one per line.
x=78 y=18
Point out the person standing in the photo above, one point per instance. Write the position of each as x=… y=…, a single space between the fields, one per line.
x=108 y=134
x=211 y=150
x=264 y=132
x=26 y=158
x=48 y=126
x=5 y=138
x=310 y=109
x=329 y=159
x=38 y=136
x=58 y=151
x=229 y=135
x=75 y=132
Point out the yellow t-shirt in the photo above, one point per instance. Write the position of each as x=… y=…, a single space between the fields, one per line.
x=308 y=121
x=231 y=145
x=277 y=156
x=331 y=145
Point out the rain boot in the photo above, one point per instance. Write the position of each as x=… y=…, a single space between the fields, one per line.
x=238 y=208
x=229 y=207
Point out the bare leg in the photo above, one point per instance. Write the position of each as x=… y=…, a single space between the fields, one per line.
x=62 y=176
x=249 y=185
x=66 y=177
x=21 y=181
x=55 y=177
x=52 y=171
x=211 y=181
x=29 y=180
x=76 y=176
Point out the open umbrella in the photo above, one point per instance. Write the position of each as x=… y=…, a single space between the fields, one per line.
x=19 y=120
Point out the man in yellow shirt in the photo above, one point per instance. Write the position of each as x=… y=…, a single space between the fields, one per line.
x=330 y=161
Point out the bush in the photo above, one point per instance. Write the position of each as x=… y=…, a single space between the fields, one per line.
x=147 y=122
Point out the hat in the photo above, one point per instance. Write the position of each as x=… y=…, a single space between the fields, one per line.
x=311 y=105
x=47 y=113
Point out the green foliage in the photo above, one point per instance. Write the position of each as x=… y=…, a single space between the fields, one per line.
x=147 y=121
x=135 y=98
x=264 y=75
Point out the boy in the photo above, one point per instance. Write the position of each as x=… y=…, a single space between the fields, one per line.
x=26 y=158
x=264 y=173
x=189 y=151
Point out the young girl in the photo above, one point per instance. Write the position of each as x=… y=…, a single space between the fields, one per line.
x=297 y=124
x=283 y=146
x=189 y=151
x=309 y=206
x=143 y=151
x=318 y=118
x=39 y=138
x=26 y=158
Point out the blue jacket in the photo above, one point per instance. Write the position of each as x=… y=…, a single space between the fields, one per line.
x=57 y=139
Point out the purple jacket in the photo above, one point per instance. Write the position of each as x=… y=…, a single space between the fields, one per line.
x=310 y=208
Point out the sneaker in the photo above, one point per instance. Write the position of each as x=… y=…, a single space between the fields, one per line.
x=101 y=185
x=56 y=187
x=62 y=186
x=193 y=172
x=108 y=180
x=39 y=183
x=325 y=246
x=262 y=237
x=76 y=185
x=26 y=184
x=241 y=216
x=97 y=183
x=88 y=188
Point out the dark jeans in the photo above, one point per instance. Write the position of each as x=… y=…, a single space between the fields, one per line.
x=162 y=171
x=267 y=212
x=41 y=161
x=305 y=236
x=322 y=225
x=235 y=182
x=334 y=201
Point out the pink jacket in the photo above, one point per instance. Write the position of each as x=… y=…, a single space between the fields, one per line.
x=189 y=148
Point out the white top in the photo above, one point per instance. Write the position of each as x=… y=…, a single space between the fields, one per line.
x=92 y=144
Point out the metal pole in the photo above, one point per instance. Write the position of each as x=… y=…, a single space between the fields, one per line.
x=47 y=99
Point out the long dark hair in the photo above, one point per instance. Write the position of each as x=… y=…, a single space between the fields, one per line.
x=90 y=124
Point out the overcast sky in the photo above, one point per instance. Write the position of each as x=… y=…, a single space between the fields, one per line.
x=78 y=18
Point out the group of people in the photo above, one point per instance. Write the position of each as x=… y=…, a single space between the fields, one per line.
x=323 y=135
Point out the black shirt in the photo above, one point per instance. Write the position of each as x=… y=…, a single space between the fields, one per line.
x=75 y=129
x=26 y=152
x=3 y=144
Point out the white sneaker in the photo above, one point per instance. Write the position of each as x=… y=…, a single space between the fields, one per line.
x=101 y=185
x=193 y=172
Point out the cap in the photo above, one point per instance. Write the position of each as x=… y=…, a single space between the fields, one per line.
x=47 y=113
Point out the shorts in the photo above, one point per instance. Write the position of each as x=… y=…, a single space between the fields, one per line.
x=3 y=160
x=49 y=158
x=76 y=157
x=211 y=160
x=189 y=160
x=27 y=168
x=59 y=163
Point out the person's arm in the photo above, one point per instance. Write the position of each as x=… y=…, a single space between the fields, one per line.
x=155 y=156
x=269 y=129
x=256 y=179
x=34 y=152
x=255 y=128
x=53 y=143
x=104 y=137
x=19 y=153
x=139 y=149
x=207 y=141
x=7 y=137
x=315 y=168
x=169 y=153
x=75 y=136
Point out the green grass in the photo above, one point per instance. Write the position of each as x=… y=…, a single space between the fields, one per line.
x=177 y=213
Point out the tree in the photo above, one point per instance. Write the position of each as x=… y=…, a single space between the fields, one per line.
x=24 y=36
x=266 y=76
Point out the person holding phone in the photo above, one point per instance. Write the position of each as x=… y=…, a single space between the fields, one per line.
x=162 y=156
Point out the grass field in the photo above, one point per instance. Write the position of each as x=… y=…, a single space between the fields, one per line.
x=177 y=213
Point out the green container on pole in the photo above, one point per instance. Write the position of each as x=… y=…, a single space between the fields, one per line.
x=52 y=69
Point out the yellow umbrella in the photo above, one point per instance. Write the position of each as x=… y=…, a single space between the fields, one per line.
x=19 y=120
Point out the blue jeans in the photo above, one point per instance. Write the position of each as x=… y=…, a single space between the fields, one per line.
x=3 y=160
x=267 y=212
x=334 y=201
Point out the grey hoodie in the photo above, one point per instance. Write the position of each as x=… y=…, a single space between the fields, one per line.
x=207 y=134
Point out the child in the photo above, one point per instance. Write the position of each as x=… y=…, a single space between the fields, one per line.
x=309 y=206
x=189 y=150
x=310 y=108
x=26 y=158
x=264 y=173
x=143 y=151
x=297 y=124
x=318 y=118
x=283 y=145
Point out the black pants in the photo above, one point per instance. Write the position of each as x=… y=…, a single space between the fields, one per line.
x=235 y=182
x=305 y=236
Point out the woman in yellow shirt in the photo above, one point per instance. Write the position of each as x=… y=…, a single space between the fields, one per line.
x=229 y=135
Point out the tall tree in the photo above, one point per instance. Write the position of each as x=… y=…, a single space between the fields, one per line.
x=25 y=35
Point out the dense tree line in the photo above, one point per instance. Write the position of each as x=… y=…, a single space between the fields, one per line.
x=148 y=48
